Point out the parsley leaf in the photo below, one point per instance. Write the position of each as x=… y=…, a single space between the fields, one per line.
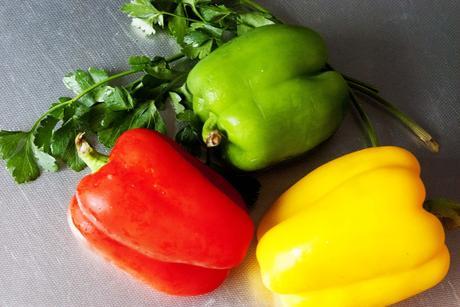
x=46 y=161
x=194 y=5
x=118 y=99
x=143 y=25
x=251 y=20
x=26 y=152
x=176 y=99
x=16 y=148
x=194 y=50
x=196 y=39
x=22 y=156
x=42 y=144
x=97 y=74
x=144 y=116
x=141 y=9
x=211 y=30
x=44 y=133
x=77 y=82
x=215 y=13
x=145 y=15
x=189 y=128
x=139 y=62
x=63 y=147
x=51 y=138
x=80 y=80
x=199 y=26
x=157 y=67
x=178 y=24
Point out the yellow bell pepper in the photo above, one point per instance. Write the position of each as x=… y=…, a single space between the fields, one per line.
x=353 y=233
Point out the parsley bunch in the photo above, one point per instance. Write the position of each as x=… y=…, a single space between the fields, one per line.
x=98 y=108
x=105 y=111
x=199 y=26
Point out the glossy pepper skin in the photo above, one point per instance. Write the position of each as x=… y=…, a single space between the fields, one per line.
x=269 y=94
x=172 y=278
x=353 y=233
x=159 y=213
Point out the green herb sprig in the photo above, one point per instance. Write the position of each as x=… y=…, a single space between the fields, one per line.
x=199 y=26
x=106 y=111
x=98 y=108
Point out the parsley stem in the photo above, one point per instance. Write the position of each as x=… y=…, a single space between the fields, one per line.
x=50 y=110
x=260 y=8
x=353 y=80
x=365 y=121
x=359 y=82
x=170 y=59
x=175 y=57
x=256 y=6
x=421 y=133
x=184 y=17
x=94 y=86
x=86 y=91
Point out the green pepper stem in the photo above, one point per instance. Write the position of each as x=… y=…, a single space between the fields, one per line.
x=353 y=80
x=89 y=155
x=361 y=83
x=421 y=133
x=365 y=121
x=213 y=139
x=448 y=211
x=255 y=6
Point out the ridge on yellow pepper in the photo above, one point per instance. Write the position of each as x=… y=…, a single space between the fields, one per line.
x=353 y=233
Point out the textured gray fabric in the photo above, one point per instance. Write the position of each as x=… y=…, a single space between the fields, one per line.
x=409 y=49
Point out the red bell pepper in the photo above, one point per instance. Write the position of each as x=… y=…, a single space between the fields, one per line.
x=162 y=215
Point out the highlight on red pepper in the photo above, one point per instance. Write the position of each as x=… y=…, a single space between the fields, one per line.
x=160 y=214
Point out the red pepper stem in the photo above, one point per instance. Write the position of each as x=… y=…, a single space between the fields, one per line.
x=88 y=154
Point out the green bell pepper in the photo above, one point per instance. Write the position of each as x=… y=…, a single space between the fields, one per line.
x=268 y=95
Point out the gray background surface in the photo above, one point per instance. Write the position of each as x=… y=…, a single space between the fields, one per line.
x=409 y=49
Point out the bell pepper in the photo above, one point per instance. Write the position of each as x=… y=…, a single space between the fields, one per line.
x=353 y=233
x=268 y=96
x=160 y=214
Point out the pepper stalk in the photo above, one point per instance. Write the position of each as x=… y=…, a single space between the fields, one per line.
x=370 y=91
x=416 y=129
x=94 y=159
x=448 y=211
x=365 y=121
